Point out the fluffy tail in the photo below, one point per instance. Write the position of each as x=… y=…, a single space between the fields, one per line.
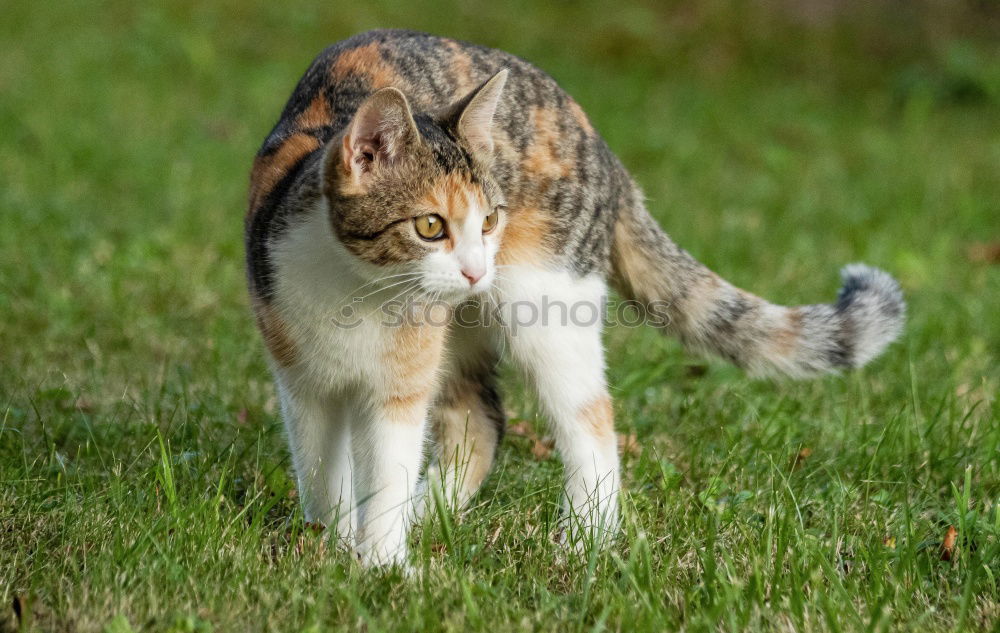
x=709 y=314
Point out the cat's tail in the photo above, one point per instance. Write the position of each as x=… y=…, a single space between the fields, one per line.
x=709 y=314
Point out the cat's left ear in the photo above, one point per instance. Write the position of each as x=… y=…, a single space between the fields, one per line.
x=472 y=117
x=377 y=139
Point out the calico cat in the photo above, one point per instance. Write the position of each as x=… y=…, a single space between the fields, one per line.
x=408 y=167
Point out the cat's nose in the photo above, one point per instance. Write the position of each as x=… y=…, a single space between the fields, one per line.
x=473 y=274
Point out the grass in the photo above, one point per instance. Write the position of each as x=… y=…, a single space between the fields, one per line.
x=144 y=483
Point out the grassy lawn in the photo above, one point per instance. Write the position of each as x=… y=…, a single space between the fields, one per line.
x=144 y=481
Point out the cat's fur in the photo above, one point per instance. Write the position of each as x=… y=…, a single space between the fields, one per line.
x=389 y=125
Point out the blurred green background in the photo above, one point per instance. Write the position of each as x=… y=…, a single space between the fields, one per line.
x=143 y=477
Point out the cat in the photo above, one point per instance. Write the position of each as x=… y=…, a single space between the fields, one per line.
x=415 y=168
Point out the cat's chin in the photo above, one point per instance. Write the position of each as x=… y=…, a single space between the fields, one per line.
x=454 y=296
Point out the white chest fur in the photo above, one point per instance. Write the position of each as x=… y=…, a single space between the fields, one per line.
x=340 y=340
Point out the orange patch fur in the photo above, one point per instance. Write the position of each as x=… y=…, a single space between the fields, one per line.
x=399 y=405
x=523 y=239
x=467 y=437
x=599 y=416
x=461 y=65
x=580 y=117
x=316 y=115
x=785 y=338
x=366 y=60
x=634 y=267
x=542 y=157
x=269 y=170
x=414 y=356
x=451 y=197
x=275 y=334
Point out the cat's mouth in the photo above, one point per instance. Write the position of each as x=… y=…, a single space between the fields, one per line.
x=452 y=291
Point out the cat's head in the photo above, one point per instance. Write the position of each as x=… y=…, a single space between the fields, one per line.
x=410 y=194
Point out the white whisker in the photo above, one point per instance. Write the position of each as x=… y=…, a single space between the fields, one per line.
x=386 y=278
x=378 y=290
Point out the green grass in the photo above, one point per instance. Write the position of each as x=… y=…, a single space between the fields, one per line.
x=144 y=483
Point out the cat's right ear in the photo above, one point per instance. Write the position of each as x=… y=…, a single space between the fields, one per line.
x=378 y=137
x=472 y=116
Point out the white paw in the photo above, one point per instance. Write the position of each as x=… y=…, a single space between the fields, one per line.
x=584 y=533
x=380 y=556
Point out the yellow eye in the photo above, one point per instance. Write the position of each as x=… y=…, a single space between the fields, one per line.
x=490 y=221
x=429 y=227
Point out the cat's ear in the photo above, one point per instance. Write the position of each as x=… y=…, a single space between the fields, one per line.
x=473 y=118
x=380 y=134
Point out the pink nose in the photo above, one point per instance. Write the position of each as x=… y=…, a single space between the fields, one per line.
x=473 y=275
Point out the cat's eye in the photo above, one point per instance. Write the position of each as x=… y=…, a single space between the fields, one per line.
x=490 y=221
x=429 y=227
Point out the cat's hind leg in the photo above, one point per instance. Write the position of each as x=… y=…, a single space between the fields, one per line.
x=467 y=420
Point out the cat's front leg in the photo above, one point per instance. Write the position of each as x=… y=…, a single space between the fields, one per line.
x=319 y=436
x=388 y=452
x=554 y=321
x=389 y=447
